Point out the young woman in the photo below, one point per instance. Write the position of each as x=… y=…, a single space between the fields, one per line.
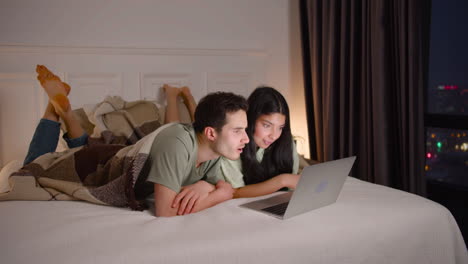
x=268 y=163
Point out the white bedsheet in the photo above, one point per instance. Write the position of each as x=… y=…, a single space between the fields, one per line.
x=368 y=224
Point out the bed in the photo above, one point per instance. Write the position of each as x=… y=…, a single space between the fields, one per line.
x=368 y=224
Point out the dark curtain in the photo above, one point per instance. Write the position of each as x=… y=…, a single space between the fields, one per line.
x=365 y=63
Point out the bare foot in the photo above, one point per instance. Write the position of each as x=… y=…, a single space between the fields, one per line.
x=50 y=109
x=171 y=91
x=186 y=93
x=189 y=101
x=51 y=82
x=55 y=88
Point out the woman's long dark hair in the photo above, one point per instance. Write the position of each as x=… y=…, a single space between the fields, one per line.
x=278 y=157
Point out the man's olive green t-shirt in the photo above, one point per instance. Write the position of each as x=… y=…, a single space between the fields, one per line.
x=173 y=159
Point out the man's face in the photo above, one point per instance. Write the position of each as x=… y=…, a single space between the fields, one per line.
x=232 y=138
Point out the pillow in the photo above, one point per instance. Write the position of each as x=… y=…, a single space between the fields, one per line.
x=147 y=115
x=133 y=121
x=12 y=166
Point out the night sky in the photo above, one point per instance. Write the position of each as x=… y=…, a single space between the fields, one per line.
x=448 y=56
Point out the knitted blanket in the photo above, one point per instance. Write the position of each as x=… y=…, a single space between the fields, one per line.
x=104 y=171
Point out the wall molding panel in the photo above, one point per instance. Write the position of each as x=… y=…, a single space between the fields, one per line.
x=20 y=109
x=90 y=88
x=151 y=84
x=241 y=83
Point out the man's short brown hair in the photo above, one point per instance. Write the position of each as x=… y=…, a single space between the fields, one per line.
x=212 y=110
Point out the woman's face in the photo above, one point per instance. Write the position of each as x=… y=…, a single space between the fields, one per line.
x=268 y=129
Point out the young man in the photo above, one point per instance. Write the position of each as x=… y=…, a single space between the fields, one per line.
x=182 y=154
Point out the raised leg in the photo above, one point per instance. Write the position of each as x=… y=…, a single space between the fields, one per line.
x=189 y=101
x=46 y=135
x=44 y=140
x=172 y=112
x=57 y=92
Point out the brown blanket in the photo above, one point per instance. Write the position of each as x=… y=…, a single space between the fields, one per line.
x=103 y=172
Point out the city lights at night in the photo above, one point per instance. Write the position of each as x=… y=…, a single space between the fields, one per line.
x=447 y=156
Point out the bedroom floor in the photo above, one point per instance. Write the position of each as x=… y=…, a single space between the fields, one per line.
x=452 y=198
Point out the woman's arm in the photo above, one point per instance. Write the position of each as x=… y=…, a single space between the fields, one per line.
x=269 y=186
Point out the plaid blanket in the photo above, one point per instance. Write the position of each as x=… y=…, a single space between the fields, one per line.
x=104 y=171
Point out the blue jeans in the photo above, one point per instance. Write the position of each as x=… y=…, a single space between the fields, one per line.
x=46 y=138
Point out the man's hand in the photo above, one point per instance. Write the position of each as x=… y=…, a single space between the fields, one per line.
x=225 y=190
x=191 y=195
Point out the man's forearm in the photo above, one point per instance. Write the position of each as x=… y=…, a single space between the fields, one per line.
x=166 y=212
x=213 y=198
x=163 y=198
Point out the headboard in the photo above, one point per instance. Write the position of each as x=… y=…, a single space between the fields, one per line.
x=93 y=73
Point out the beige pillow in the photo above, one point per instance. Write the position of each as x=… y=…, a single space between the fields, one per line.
x=139 y=112
x=6 y=171
x=142 y=116
x=84 y=121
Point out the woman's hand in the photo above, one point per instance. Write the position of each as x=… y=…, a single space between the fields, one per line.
x=289 y=180
x=190 y=195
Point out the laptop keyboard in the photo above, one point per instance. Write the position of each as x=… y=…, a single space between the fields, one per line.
x=278 y=209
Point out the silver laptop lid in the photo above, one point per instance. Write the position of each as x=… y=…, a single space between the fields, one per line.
x=319 y=185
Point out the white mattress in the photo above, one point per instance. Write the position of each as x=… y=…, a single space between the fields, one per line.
x=368 y=224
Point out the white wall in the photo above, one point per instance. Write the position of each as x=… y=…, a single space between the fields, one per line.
x=207 y=44
x=296 y=95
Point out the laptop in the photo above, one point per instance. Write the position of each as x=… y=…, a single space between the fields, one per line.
x=318 y=186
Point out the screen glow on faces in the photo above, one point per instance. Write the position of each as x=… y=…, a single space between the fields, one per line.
x=268 y=129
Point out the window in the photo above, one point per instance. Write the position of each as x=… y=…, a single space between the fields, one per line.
x=447 y=156
x=446 y=117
